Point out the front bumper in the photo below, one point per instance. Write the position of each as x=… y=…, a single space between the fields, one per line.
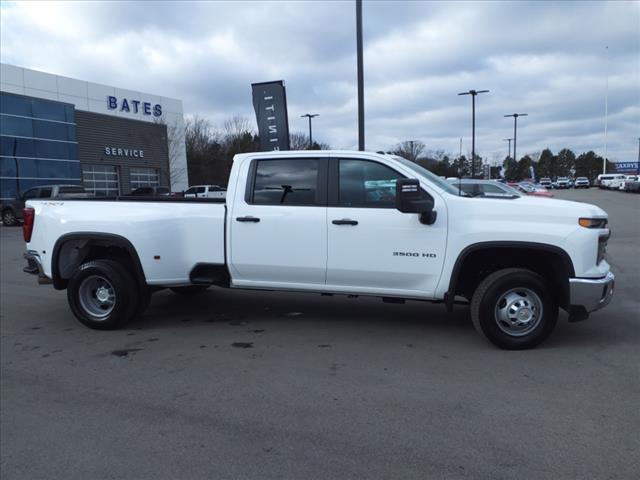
x=591 y=294
x=34 y=267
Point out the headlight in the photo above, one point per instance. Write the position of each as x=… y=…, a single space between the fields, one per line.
x=593 y=222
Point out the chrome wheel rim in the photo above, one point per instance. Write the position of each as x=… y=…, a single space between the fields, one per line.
x=8 y=217
x=97 y=296
x=518 y=312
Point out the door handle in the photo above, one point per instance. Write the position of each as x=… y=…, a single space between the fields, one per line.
x=248 y=219
x=345 y=221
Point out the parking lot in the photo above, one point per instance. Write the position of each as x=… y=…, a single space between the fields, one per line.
x=234 y=384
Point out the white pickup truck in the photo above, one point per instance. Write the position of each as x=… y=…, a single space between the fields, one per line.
x=331 y=222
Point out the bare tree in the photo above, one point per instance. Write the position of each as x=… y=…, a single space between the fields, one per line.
x=411 y=149
x=175 y=151
x=237 y=126
x=300 y=141
x=199 y=135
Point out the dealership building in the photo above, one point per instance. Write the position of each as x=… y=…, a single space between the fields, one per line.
x=59 y=130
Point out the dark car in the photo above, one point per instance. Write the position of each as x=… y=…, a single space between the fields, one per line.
x=12 y=209
x=151 y=192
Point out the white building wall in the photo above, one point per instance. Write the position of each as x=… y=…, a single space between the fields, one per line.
x=93 y=97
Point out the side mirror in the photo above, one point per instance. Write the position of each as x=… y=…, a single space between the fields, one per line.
x=410 y=199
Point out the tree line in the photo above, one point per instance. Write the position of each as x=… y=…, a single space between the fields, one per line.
x=540 y=165
x=210 y=151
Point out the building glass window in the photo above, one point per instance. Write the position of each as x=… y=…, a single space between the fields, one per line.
x=37 y=137
x=101 y=180
x=144 y=177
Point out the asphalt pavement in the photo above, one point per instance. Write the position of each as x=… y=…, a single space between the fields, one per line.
x=235 y=384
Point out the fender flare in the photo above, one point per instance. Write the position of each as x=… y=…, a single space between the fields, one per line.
x=474 y=247
x=60 y=283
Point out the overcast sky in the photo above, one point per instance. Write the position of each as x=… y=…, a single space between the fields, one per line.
x=543 y=58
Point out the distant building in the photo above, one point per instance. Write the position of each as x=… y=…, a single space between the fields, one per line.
x=59 y=130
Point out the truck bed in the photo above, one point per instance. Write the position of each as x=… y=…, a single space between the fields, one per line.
x=170 y=235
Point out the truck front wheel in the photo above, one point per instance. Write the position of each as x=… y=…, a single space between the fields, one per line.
x=102 y=294
x=514 y=309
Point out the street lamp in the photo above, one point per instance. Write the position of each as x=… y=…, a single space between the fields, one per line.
x=515 y=130
x=473 y=94
x=508 y=140
x=360 y=68
x=310 y=116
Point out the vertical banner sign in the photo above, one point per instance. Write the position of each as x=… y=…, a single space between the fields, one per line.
x=270 y=103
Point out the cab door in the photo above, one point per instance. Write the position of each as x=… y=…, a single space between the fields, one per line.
x=279 y=228
x=373 y=247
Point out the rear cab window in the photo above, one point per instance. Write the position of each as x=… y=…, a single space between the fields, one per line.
x=291 y=182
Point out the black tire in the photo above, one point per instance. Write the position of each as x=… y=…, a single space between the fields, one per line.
x=144 y=299
x=9 y=217
x=190 y=290
x=502 y=297
x=112 y=278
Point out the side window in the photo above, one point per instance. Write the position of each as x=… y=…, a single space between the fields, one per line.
x=367 y=184
x=487 y=188
x=45 y=193
x=190 y=191
x=29 y=194
x=200 y=189
x=469 y=188
x=286 y=182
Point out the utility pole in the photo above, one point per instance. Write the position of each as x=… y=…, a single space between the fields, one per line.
x=515 y=130
x=310 y=116
x=508 y=140
x=473 y=94
x=606 y=111
x=360 y=75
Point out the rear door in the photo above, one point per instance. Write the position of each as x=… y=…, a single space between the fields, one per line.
x=373 y=247
x=279 y=227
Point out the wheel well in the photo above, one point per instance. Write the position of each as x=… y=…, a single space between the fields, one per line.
x=553 y=264
x=73 y=250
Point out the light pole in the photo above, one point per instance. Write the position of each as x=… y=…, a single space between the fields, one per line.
x=473 y=94
x=310 y=116
x=606 y=111
x=360 y=75
x=508 y=140
x=515 y=130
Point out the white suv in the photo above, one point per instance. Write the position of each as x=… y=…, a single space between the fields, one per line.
x=206 y=191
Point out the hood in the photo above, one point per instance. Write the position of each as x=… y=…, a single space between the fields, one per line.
x=555 y=207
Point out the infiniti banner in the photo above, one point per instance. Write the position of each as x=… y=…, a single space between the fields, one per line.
x=270 y=103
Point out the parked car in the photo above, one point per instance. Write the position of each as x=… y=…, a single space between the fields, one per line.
x=205 y=191
x=151 y=192
x=627 y=183
x=304 y=221
x=604 y=180
x=582 y=182
x=546 y=182
x=537 y=191
x=484 y=188
x=632 y=185
x=563 y=182
x=12 y=209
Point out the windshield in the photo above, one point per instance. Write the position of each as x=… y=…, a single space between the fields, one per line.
x=444 y=185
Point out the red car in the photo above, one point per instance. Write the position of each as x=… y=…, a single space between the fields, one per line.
x=534 y=190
